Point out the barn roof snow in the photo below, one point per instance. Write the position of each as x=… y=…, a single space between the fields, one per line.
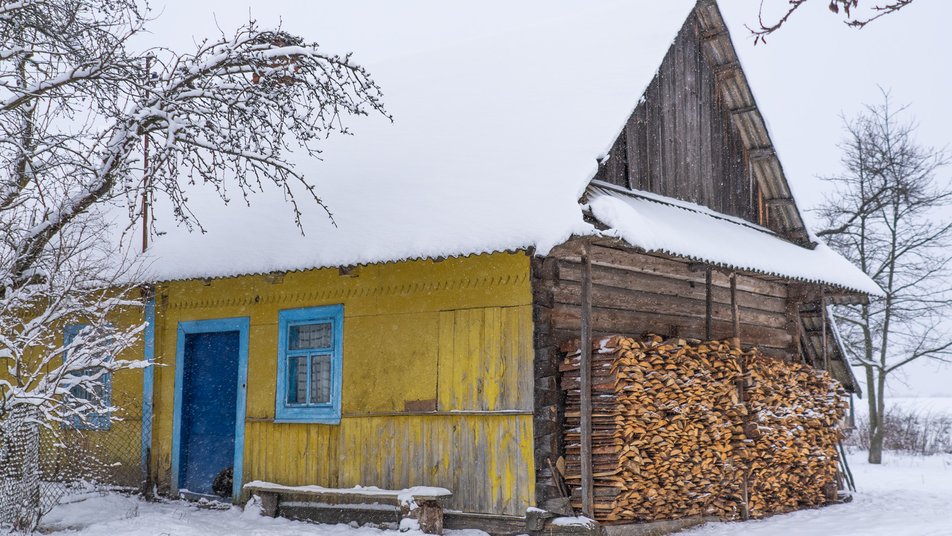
x=657 y=224
x=498 y=125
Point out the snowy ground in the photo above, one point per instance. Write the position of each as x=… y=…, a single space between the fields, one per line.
x=120 y=515
x=906 y=496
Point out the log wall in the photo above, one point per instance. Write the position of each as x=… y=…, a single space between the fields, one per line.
x=638 y=293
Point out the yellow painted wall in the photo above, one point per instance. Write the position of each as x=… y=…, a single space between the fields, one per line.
x=111 y=455
x=457 y=332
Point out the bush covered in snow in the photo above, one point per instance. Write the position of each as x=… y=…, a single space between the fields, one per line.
x=909 y=430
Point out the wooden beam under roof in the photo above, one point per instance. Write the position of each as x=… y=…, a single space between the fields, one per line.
x=736 y=93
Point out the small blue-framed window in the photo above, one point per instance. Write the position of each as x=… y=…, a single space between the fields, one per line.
x=310 y=364
x=99 y=390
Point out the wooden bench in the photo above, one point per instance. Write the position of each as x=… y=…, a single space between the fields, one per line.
x=419 y=506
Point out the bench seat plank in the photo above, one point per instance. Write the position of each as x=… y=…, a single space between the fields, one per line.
x=420 y=506
x=358 y=493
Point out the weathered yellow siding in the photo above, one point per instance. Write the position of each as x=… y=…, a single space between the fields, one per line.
x=482 y=458
x=112 y=455
x=455 y=333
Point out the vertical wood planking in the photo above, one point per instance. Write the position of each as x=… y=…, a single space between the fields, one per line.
x=680 y=136
x=485 y=361
x=681 y=140
x=485 y=460
x=691 y=145
x=637 y=154
x=703 y=90
x=654 y=133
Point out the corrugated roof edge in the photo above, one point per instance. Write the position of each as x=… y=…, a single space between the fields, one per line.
x=529 y=250
x=594 y=186
x=678 y=203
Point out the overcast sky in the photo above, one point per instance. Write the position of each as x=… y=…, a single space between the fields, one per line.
x=815 y=70
x=807 y=75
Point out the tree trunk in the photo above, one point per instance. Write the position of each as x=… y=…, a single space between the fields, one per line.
x=877 y=400
x=876 y=445
x=875 y=422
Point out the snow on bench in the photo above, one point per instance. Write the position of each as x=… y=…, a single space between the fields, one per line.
x=421 y=507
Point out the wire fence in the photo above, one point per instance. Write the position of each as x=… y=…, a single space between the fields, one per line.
x=41 y=464
x=20 y=482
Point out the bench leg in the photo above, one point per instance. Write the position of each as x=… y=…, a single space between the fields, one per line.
x=269 y=503
x=431 y=517
x=427 y=514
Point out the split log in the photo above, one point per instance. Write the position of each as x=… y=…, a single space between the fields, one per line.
x=674 y=436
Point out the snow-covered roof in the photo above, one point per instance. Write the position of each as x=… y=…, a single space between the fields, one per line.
x=657 y=224
x=498 y=122
x=495 y=135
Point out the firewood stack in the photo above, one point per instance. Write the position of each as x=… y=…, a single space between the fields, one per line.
x=795 y=413
x=673 y=435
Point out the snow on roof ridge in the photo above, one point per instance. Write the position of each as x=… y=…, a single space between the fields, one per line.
x=680 y=203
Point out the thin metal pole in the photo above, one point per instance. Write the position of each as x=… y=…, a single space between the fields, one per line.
x=585 y=373
x=146 y=179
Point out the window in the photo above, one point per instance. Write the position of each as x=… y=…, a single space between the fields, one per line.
x=98 y=390
x=310 y=364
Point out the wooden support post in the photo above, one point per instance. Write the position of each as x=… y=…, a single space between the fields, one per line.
x=826 y=357
x=801 y=353
x=735 y=310
x=709 y=316
x=585 y=373
x=742 y=396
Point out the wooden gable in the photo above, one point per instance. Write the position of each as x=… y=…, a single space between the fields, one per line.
x=697 y=134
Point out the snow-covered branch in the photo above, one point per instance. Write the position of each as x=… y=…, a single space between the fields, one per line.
x=76 y=103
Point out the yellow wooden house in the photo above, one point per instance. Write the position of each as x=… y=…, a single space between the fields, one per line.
x=414 y=340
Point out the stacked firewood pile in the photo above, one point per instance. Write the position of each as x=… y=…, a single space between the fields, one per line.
x=684 y=428
x=793 y=428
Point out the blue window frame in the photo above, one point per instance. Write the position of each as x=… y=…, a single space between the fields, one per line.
x=310 y=364
x=101 y=389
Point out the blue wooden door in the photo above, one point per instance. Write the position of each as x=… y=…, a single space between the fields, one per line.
x=209 y=400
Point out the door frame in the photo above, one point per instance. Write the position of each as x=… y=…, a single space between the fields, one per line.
x=242 y=325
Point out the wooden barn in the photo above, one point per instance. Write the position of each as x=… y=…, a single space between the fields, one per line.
x=513 y=205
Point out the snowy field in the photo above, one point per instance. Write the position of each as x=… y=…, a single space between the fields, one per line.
x=906 y=496
x=926 y=405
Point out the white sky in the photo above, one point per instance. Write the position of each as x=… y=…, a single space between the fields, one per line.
x=815 y=70
x=807 y=75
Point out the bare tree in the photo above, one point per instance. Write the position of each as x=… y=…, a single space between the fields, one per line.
x=851 y=10
x=885 y=217
x=76 y=101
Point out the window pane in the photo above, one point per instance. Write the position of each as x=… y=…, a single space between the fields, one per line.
x=310 y=336
x=297 y=380
x=320 y=379
x=90 y=390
